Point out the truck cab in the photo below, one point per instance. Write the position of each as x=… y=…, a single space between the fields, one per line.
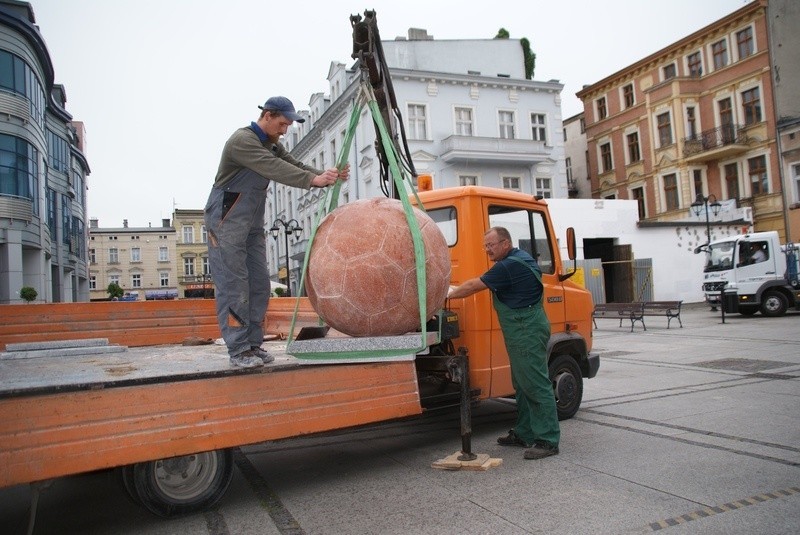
x=464 y=214
x=757 y=269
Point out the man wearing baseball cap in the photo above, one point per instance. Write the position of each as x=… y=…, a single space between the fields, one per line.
x=234 y=218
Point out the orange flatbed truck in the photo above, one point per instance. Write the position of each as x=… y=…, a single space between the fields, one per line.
x=110 y=385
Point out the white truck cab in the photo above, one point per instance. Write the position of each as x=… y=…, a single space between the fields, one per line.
x=762 y=273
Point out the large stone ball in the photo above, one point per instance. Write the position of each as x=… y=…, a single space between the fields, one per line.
x=361 y=276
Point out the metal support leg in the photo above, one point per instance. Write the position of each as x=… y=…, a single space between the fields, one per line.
x=459 y=370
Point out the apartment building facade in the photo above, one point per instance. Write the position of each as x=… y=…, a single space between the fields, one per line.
x=193 y=274
x=140 y=260
x=576 y=157
x=694 y=121
x=43 y=171
x=470 y=115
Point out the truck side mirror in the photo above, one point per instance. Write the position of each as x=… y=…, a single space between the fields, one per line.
x=571 y=253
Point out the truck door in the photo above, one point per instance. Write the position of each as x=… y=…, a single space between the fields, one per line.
x=529 y=232
x=755 y=264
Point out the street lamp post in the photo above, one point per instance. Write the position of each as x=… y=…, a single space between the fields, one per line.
x=289 y=227
x=702 y=202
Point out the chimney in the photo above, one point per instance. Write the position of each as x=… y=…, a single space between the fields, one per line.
x=93 y=223
x=165 y=223
x=125 y=223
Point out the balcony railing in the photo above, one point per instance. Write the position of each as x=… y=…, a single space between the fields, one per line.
x=716 y=138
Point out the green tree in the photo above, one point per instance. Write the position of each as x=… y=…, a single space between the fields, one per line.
x=28 y=294
x=114 y=290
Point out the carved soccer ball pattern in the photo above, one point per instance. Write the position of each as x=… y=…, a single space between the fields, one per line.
x=361 y=273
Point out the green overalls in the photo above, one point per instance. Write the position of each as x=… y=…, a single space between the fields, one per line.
x=526 y=332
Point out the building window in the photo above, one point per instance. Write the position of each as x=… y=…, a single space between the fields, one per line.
x=697 y=176
x=671 y=191
x=206 y=266
x=691 y=122
x=669 y=71
x=543 y=187
x=17 y=76
x=758 y=175
x=568 y=162
x=188 y=266
x=463 y=121
x=627 y=95
x=694 y=64
x=136 y=280
x=163 y=278
x=113 y=279
x=113 y=255
x=719 y=51
x=664 y=129
x=538 y=128
x=136 y=254
x=19 y=175
x=602 y=111
x=417 y=121
x=203 y=234
x=638 y=196
x=511 y=183
x=506 y=121
x=92 y=256
x=633 y=147
x=163 y=254
x=751 y=105
x=732 y=180
x=92 y=282
x=468 y=180
x=51 y=212
x=57 y=152
x=744 y=42
x=796 y=179
x=188 y=234
x=605 y=157
x=726 y=120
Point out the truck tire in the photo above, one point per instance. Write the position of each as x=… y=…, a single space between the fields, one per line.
x=125 y=478
x=773 y=304
x=181 y=485
x=567 y=385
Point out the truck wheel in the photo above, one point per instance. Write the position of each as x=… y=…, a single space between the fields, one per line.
x=180 y=485
x=125 y=478
x=567 y=385
x=774 y=304
x=748 y=310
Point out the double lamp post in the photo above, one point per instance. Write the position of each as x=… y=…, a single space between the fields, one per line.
x=289 y=227
x=702 y=202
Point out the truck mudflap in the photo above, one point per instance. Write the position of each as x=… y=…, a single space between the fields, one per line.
x=593 y=365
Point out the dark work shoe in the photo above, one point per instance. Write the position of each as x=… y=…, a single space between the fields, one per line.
x=540 y=450
x=512 y=440
x=247 y=359
x=263 y=354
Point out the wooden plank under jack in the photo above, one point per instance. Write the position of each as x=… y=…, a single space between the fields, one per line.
x=481 y=463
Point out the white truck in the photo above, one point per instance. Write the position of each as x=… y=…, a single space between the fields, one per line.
x=755 y=271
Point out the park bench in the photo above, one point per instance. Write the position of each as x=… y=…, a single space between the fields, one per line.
x=637 y=311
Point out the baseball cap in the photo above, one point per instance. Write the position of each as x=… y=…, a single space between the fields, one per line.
x=283 y=106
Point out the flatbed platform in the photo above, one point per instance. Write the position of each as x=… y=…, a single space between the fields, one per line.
x=76 y=413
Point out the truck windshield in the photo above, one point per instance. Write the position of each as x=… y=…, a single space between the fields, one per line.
x=719 y=256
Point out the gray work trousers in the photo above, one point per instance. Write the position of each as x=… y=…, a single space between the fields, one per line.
x=237 y=256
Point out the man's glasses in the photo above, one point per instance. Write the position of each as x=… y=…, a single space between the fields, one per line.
x=492 y=245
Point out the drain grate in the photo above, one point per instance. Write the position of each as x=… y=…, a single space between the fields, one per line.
x=742 y=365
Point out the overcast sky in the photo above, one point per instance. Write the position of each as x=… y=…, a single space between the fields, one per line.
x=161 y=84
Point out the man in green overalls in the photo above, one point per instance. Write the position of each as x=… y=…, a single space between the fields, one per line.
x=516 y=283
